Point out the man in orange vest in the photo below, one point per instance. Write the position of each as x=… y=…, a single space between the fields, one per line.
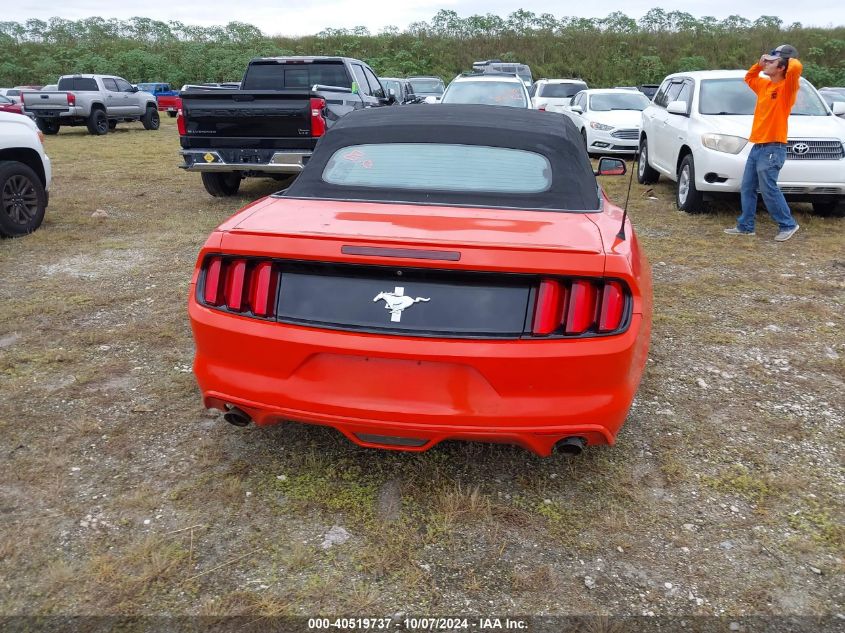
x=776 y=93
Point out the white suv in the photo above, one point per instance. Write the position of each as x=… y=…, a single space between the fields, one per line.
x=696 y=130
x=498 y=89
x=24 y=176
x=553 y=95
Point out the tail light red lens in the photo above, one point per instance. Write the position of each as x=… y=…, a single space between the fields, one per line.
x=212 y=294
x=550 y=300
x=71 y=99
x=318 y=123
x=234 y=289
x=579 y=307
x=262 y=289
x=180 y=123
x=581 y=313
x=612 y=307
x=240 y=285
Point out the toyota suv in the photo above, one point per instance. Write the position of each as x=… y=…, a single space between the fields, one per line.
x=696 y=130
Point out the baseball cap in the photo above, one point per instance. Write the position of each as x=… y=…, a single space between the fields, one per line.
x=784 y=51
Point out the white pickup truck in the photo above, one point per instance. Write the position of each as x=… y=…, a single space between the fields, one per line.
x=99 y=102
x=24 y=176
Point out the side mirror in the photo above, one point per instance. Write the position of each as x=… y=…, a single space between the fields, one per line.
x=677 y=107
x=838 y=108
x=611 y=167
x=577 y=109
x=133 y=89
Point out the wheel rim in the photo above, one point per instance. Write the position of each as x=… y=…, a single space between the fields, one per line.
x=683 y=184
x=155 y=121
x=102 y=124
x=20 y=200
x=642 y=161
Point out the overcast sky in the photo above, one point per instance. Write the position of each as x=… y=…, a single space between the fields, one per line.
x=304 y=17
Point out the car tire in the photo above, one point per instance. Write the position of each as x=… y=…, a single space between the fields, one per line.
x=98 y=124
x=584 y=139
x=646 y=174
x=688 y=198
x=221 y=185
x=23 y=199
x=48 y=126
x=172 y=115
x=112 y=125
x=834 y=208
x=150 y=119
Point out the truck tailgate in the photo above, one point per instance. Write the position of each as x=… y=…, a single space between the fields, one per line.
x=47 y=102
x=239 y=118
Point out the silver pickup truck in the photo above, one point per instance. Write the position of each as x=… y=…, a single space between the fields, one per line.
x=99 y=102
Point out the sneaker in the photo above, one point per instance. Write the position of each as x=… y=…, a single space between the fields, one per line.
x=736 y=231
x=786 y=234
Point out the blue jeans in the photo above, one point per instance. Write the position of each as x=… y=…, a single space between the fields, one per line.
x=761 y=172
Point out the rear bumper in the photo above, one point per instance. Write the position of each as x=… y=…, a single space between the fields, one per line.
x=527 y=392
x=211 y=160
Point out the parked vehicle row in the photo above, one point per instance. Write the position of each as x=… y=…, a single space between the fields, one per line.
x=98 y=102
x=167 y=99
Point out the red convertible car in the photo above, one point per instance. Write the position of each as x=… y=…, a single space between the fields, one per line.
x=434 y=273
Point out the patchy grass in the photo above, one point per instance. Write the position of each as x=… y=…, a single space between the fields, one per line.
x=122 y=495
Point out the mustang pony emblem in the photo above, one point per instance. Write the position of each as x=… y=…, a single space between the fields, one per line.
x=396 y=301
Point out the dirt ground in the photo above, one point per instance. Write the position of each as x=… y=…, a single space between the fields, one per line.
x=121 y=495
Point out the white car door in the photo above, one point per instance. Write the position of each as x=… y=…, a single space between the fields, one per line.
x=677 y=125
x=659 y=145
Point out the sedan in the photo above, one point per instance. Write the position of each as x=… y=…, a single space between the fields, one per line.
x=7 y=105
x=448 y=273
x=609 y=120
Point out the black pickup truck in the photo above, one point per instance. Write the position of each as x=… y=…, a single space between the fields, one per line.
x=270 y=126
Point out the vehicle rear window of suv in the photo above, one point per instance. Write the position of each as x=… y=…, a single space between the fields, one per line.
x=274 y=76
x=78 y=84
x=439 y=167
x=560 y=91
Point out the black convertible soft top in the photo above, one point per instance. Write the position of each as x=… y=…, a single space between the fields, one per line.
x=573 y=184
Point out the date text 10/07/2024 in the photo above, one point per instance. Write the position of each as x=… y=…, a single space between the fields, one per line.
x=418 y=624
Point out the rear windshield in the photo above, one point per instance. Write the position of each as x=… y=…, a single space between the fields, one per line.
x=560 y=91
x=439 y=167
x=618 y=101
x=78 y=84
x=733 y=96
x=274 y=76
x=427 y=86
x=498 y=93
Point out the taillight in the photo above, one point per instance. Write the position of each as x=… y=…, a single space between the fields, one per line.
x=234 y=290
x=612 y=307
x=212 y=292
x=262 y=289
x=240 y=285
x=550 y=300
x=71 y=99
x=579 y=307
x=581 y=313
x=318 y=123
x=23 y=98
x=180 y=123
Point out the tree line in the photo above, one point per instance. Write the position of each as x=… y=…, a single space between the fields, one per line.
x=615 y=50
